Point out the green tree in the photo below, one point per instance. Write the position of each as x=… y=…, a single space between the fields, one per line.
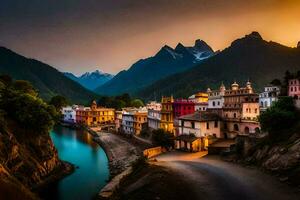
x=279 y=118
x=163 y=138
x=24 y=87
x=58 y=102
x=137 y=103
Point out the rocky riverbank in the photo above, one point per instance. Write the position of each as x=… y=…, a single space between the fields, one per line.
x=121 y=154
x=27 y=162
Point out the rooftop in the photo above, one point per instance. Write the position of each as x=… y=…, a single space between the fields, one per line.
x=201 y=116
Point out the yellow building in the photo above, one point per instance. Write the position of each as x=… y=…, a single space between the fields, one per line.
x=140 y=120
x=201 y=97
x=93 y=116
x=167 y=117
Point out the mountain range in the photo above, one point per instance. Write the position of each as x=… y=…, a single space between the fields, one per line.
x=90 y=80
x=166 y=62
x=48 y=80
x=250 y=57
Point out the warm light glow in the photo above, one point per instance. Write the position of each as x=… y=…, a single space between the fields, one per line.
x=79 y=36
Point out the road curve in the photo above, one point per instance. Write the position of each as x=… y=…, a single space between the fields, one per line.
x=212 y=178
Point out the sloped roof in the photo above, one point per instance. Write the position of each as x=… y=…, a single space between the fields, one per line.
x=201 y=117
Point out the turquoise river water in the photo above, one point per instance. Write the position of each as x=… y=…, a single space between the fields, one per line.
x=92 y=172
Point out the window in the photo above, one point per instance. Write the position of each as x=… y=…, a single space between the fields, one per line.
x=234 y=115
x=236 y=127
x=255 y=110
x=193 y=124
x=218 y=103
x=207 y=125
x=291 y=89
x=216 y=124
x=214 y=104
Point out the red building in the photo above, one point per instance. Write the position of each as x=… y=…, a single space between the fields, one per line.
x=181 y=107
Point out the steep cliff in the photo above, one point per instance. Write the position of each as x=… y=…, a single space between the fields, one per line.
x=281 y=159
x=26 y=161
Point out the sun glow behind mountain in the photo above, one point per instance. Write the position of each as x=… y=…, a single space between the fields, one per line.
x=115 y=34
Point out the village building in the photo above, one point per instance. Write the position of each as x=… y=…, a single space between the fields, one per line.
x=153 y=105
x=134 y=120
x=240 y=111
x=294 y=88
x=268 y=97
x=94 y=116
x=118 y=120
x=181 y=107
x=140 y=121
x=128 y=122
x=69 y=114
x=195 y=130
x=154 y=115
x=216 y=97
x=166 y=121
x=201 y=101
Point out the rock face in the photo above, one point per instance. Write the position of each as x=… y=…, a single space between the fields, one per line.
x=281 y=159
x=26 y=160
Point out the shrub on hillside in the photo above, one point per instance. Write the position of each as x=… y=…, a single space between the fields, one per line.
x=279 y=118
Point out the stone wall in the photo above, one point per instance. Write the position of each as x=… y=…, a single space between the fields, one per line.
x=150 y=153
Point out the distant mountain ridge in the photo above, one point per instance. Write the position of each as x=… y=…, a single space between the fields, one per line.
x=249 y=57
x=164 y=63
x=90 y=80
x=48 y=80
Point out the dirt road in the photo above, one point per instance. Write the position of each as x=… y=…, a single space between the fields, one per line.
x=211 y=178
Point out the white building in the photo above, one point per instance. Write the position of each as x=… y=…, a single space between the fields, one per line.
x=154 y=117
x=153 y=105
x=200 y=124
x=216 y=97
x=129 y=119
x=128 y=122
x=69 y=114
x=268 y=97
x=195 y=129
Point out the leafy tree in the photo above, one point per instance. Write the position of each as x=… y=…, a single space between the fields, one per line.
x=58 y=102
x=162 y=138
x=137 y=103
x=279 y=118
x=24 y=87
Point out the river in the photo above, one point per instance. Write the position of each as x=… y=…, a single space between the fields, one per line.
x=92 y=173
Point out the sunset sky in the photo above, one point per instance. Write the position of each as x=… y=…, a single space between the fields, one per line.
x=110 y=35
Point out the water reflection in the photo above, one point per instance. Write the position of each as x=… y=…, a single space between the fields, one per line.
x=78 y=148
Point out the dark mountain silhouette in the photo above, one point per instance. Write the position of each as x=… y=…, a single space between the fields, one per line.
x=146 y=71
x=48 y=80
x=250 y=57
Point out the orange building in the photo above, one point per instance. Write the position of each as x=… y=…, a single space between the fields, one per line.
x=140 y=121
x=167 y=117
x=93 y=115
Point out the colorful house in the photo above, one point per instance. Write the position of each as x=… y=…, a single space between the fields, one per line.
x=94 y=116
x=166 y=122
x=294 y=88
x=201 y=101
x=181 y=107
x=69 y=114
x=268 y=97
x=140 y=121
x=154 y=115
x=240 y=111
x=194 y=130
